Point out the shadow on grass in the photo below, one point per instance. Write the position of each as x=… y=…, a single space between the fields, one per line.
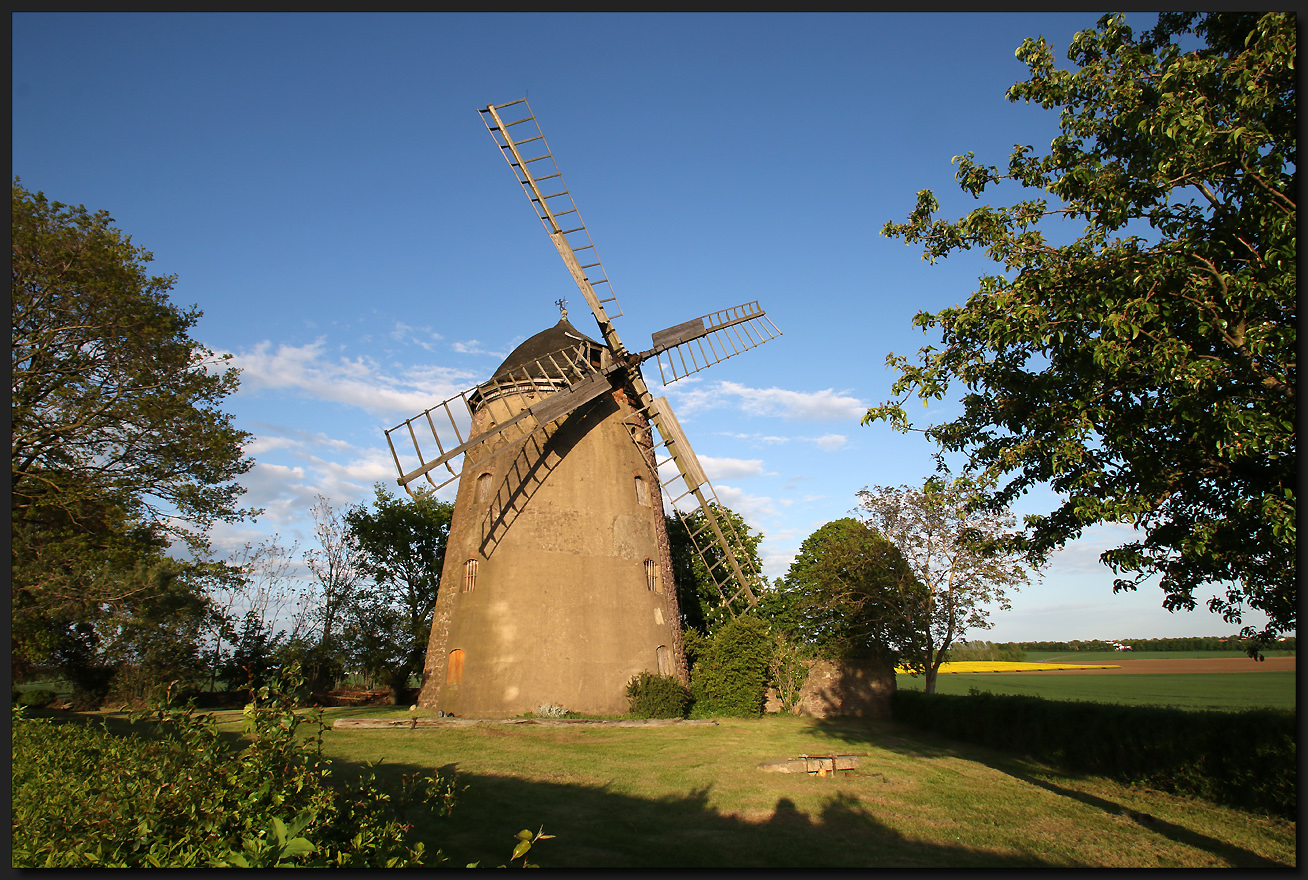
x=921 y=744
x=597 y=827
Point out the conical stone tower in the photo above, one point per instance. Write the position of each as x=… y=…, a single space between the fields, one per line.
x=562 y=600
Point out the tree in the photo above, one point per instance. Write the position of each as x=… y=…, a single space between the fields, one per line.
x=249 y=592
x=118 y=443
x=730 y=673
x=849 y=593
x=957 y=557
x=402 y=549
x=1146 y=371
x=337 y=568
x=697 y=594
x=126 y=650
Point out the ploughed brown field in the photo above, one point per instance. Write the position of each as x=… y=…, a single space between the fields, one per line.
x=1157 y=666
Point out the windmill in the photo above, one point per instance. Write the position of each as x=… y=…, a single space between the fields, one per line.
x=557 y=585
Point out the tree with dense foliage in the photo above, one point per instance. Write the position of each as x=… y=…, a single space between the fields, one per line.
x=701 y=603
x=729 y=673
x=1146 y=370
x=401 y=543
x=849 y=594
x=957 y=556
x=118 y=444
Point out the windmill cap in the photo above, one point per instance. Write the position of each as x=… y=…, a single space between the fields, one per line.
x=562 y=336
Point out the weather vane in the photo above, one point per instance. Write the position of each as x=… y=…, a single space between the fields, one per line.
x=563 y=307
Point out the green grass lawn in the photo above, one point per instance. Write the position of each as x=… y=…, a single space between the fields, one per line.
x=693 y=796
x=1194 y=690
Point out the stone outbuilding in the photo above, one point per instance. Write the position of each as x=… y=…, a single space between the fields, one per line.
x=856 y=688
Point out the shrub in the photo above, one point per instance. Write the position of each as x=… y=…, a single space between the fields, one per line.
x=731 y=672
x=189 y=798
x=1242 y=759
x=37 y=699
x=657 y=696
x=787 y=670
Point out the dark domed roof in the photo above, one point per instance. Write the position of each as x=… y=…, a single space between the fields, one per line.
x=557 y=338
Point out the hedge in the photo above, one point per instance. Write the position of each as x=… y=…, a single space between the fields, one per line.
x=1242 y=759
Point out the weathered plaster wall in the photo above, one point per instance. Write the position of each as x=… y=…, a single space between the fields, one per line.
x=560 y=612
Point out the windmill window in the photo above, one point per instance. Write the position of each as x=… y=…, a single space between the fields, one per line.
x=652 y=576
x=454 y=669
x=664 y=659
x=484 y=487
x=469 y=575
x=642 y=492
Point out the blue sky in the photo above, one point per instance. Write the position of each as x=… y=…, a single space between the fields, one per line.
x=325 y=191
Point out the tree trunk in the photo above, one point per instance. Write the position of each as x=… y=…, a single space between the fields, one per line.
x=931 y=672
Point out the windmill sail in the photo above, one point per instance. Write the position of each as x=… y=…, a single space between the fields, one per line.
x=690 y=347
x=523 y=146
x=720 y=547
x=548 y=389
x=687 y=348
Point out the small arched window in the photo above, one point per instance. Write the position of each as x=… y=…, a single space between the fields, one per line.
x=652 y=576
x=469 y=575
x=664 y=659
x=484 y=487
x=454 y=669
x=642 y=492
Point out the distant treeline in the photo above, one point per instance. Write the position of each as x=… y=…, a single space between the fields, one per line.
x=982 y=650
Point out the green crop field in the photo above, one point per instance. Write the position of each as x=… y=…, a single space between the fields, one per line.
x=1192 y=690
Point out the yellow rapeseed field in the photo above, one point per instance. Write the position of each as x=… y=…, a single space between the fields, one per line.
x=1008 y=666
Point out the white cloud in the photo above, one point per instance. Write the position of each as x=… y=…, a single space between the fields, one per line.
x=829 y=442
x=756 y=439
x=422 y=336
x=821 y=406
x=473 y=346
x=730 y=468
x=752 y=507
x=1082 y=555
x=360 y=382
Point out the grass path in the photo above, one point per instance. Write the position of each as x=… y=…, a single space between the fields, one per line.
x=688 y=796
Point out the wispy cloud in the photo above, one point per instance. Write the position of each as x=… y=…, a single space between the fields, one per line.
x=410 y=335
x=473 y=346
x=756 y=439
x=730 y=468
x=829 y=442
x=360 y=382
x=752 y=507
x=821 y=406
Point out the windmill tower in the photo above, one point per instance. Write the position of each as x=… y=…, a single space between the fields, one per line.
x=557 y=586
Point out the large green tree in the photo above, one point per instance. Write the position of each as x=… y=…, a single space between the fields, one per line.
x=849 y=593
x=1146 y=370
x=119 y=445
x=699 y=591
x=401 y=544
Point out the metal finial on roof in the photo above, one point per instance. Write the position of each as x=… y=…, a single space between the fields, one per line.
x=563 y=307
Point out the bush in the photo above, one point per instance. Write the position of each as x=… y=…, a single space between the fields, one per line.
x=1242 y=759
x=189 y=798
x=731 y=671
x=37 y=699
x=657 y=696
